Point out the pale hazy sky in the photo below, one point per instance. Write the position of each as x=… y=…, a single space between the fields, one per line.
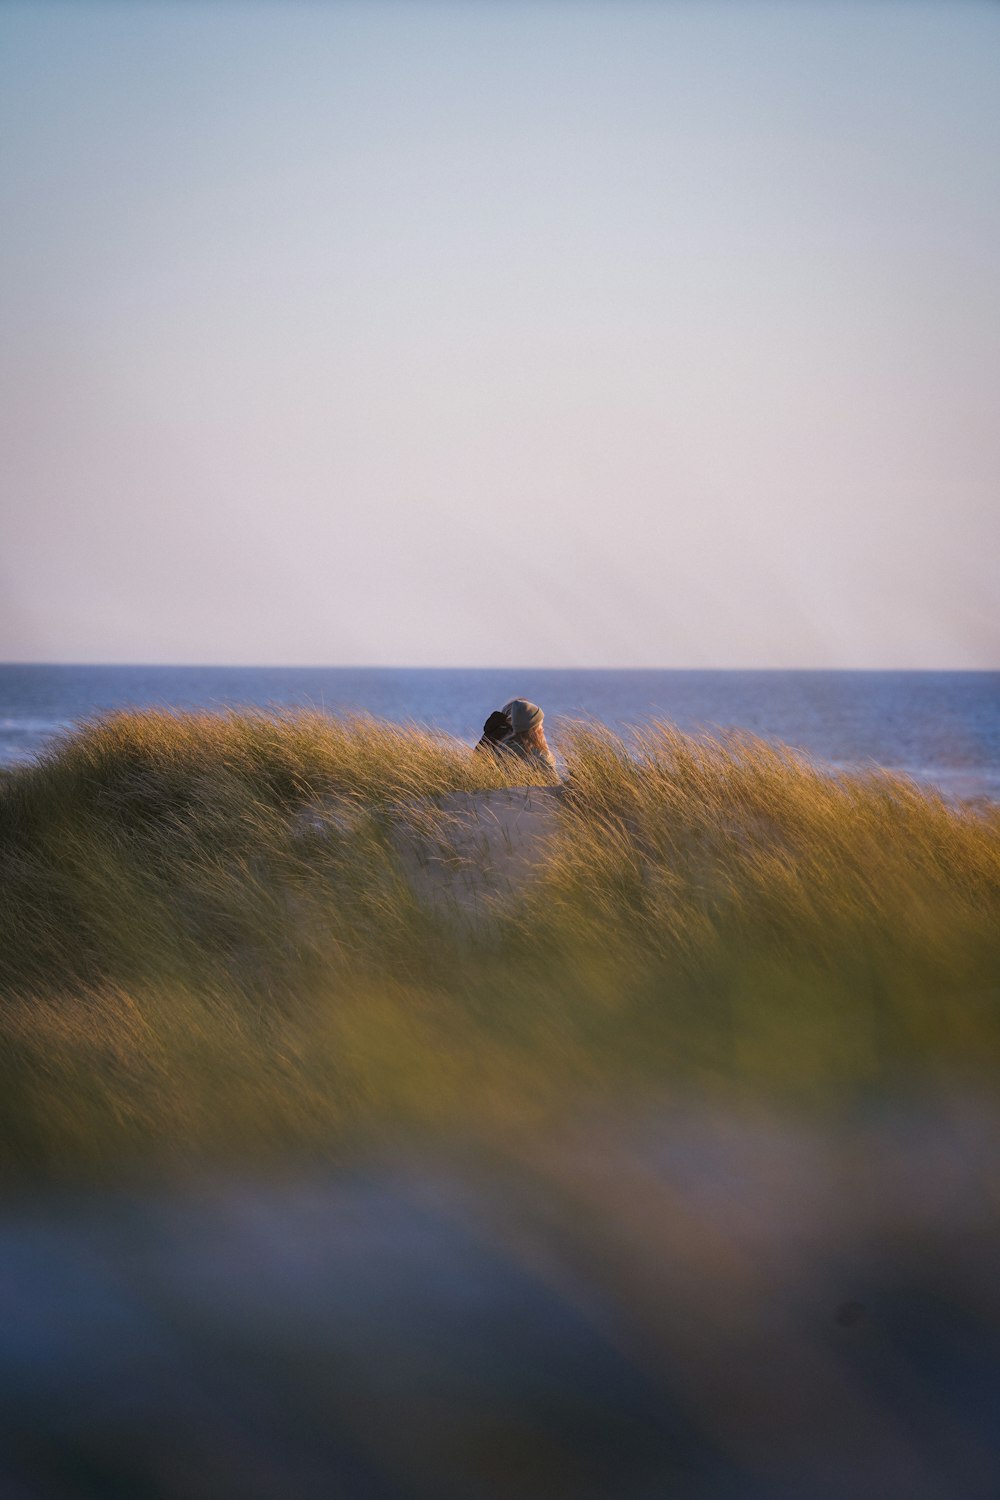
x=557 y=334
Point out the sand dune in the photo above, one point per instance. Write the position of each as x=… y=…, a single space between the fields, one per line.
x=477 y=849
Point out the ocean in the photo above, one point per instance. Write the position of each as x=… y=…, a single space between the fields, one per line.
x=941 y=728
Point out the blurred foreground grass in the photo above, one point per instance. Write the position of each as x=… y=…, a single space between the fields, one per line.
x=211 y=947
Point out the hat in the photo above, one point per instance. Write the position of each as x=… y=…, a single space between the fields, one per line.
x=523 y=715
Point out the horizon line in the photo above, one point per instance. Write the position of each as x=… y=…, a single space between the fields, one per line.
x=469 y=667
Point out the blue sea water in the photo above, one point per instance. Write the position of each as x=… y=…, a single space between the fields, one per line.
x=942 y=728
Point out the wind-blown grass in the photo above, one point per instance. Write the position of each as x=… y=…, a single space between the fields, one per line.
x=209 y=944
x=778 y=923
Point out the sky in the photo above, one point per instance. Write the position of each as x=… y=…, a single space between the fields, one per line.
x=604 y=333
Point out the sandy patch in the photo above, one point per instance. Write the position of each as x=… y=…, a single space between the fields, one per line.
x=477 y=850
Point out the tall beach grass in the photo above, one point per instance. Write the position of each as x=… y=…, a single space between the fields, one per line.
x=211 y=947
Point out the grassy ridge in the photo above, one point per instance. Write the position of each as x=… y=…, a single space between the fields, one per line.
x=811 y=930
x=194 y=961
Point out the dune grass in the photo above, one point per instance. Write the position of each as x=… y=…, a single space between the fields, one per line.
x=210 y=947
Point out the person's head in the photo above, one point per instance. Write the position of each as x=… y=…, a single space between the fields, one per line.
x=524 y=716
x=497 y=727
x=526 y=723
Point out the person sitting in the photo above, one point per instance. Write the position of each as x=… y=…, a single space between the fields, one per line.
x=527 y=737
x=496 y=729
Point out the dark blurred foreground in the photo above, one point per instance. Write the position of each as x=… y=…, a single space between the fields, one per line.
x=710 y=1304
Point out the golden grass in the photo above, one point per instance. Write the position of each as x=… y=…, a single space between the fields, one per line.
x=210 y=947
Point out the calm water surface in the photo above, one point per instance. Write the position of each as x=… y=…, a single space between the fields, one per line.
x=942 y=728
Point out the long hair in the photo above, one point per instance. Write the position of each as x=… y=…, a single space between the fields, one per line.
x=534 y=738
